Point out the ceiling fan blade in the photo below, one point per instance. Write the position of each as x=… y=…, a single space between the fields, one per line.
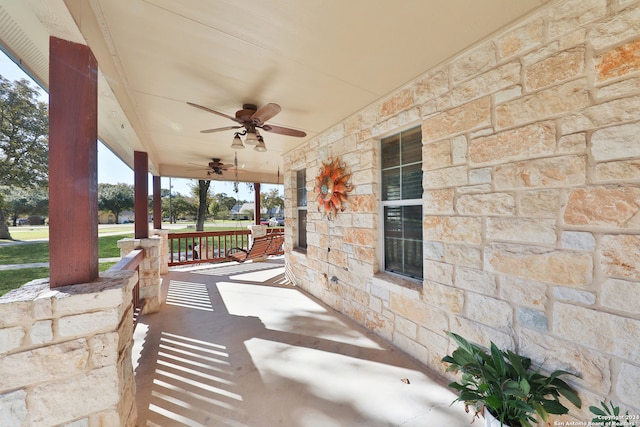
x=284 y=131
x=265 y=113
x=220 y=129
x=209 y=110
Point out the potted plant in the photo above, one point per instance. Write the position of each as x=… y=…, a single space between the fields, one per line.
x=503 y=385
x=609 y=416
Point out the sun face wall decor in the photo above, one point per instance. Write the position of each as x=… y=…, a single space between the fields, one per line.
x=332 y=187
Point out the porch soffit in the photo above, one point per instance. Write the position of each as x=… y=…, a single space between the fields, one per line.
x=321 y=61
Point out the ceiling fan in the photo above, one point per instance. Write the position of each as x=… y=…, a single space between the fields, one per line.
x=216 y=167
x=251 y=118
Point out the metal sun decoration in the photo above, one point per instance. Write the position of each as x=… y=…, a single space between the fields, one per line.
x=332 y=187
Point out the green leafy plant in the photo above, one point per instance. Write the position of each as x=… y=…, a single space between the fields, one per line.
x=505 y=384
x=609 y=416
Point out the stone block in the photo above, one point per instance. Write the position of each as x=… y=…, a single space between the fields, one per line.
x=604 y=332
x=574 y=143
x=13 y=409
x=521 y=39
x=530 y=318
x=619 y=88
x=444 y=297
x=410 y=346
x=470 y=116
x=618 y=61
x=475 y=280
x=489 y=311
x=601 y=117
x=406 y=327
x=104 y=349
x=522 y=230
x=558 y=68
x=96 y=391
x=438 y=201
x=480 y=176
x=398 y=102
x=481 y=334
x=436 y=155
x=489 y=82
x=579 y=240
x=50 y=363
x=616 y=142
x=438 y=271
x=88 y=323
x=525 y=293
x=621 y=295
x=561 y=267
x=473 y=62
x=507 y=95
x=615 y=29
x=105 y=293
x=41 y=332
x=443 y=178
x=433 y=251
x=568 y=15
x=13 y=311
x=619 y=256
x=459 y=150
x=574 y=295
x=627 y=384
x=432 y=85
x=618 y=171
x=11 y=339
x=527 y=142
x=414 y=310
x=456 y=229
x=492 y=204
x=463 y=255
x=539 y=203
x=554 y=353
x=562 y=171
x=359 y=236
x=543 y=105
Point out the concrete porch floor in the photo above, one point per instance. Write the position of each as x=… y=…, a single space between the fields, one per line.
x=235 y=345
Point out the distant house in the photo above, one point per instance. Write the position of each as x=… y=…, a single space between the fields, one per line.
x=245 y=211
x=107 y=217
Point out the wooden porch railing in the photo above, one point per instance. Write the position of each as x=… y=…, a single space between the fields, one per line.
x=207 y=246
x=132 y=261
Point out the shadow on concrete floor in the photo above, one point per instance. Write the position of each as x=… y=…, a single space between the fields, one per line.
x=235 y=345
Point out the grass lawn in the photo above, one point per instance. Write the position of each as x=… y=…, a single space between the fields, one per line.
x=39 y=252
x=26 y=232
x=12 y=279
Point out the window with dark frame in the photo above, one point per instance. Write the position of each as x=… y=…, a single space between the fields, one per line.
x=401 y=187
x=301 y=197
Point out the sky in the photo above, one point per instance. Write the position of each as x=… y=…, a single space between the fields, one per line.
x=111 y=170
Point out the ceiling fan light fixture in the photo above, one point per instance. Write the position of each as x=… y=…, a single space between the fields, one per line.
x=252 y=138
x=260 y=145
x=237 y=142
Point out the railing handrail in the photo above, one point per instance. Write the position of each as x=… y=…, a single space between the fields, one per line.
x=129 y=262
x=209 y=233
x=193 y=247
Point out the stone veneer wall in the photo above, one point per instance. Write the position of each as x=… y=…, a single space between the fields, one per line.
x=66 y=354
x=531 y=166
x=156 y=256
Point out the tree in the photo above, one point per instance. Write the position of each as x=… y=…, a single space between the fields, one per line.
x=115 y=198
x=33 y=201
x=202 y=193
x=181 y=207
x=272 y=200
x=24 y=130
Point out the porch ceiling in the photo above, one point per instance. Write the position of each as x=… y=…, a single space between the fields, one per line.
x=322 y=61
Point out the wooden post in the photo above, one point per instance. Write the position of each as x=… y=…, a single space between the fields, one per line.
x=256 y=202
x=141 y=194
x=73 y=163
x=157 y=203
